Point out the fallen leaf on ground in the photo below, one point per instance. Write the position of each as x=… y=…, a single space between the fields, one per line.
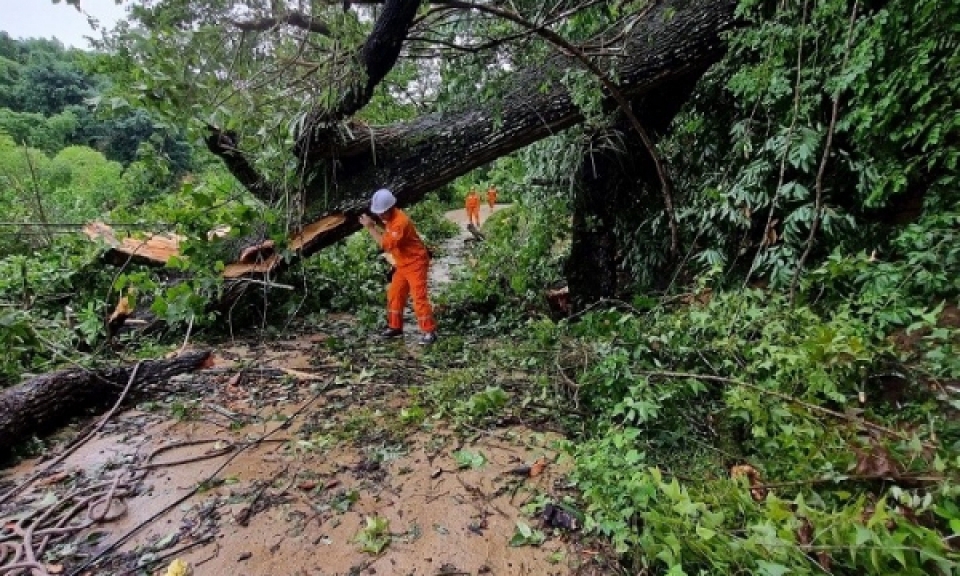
x=875 y=461
x=179 y=568
x=538 y=467
x=55 y=479
x=757 y=491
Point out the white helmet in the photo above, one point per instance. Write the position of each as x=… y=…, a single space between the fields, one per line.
x=383 y=200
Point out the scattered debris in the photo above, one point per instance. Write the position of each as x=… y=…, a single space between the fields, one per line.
x=524 y=535
x=757 y=491
x=538 y=467
x=375 y=537
x=875 y=461
x=557 y=516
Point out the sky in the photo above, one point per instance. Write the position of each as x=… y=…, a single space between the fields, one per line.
x=44 y=19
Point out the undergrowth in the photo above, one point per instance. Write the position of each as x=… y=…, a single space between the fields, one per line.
x=724 y=430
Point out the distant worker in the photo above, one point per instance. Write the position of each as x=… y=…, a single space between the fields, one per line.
x=492 y=197
x=473 y=207
x=400 y=240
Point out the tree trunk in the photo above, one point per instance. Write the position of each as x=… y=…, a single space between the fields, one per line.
x=591 y=268
x=673 y=39
x=46 y=402
x=616 y=172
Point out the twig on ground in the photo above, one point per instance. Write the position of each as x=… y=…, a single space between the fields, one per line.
x=186 y=339
x=93 y=561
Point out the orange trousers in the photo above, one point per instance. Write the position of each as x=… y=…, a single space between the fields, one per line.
x=406 y=281
x=473 y=215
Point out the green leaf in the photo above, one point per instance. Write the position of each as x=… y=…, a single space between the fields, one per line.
x=467 y=459
x=705 y=533
x=771 y=569
x=525 y=536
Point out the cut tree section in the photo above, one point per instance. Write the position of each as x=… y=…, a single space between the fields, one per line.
x=151 y=250
x=262 y=259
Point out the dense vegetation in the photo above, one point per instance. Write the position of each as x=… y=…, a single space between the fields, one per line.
x=779 y=397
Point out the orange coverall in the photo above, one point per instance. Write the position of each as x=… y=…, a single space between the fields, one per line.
x=491 y=197
x=400 y=240
x=473 y=208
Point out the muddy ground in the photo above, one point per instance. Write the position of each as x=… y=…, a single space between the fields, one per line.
x=305 y=456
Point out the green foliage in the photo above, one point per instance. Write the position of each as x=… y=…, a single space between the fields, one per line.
x=467 y=459
x=50 y=305
x=524 y=535
x=351 y=276
x=375 y=537
x=654 y=445
x=523 y=253
x=663 y=442
x=748 y=146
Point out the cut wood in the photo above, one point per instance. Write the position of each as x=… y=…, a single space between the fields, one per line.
x=44 y=403
x=151 y=249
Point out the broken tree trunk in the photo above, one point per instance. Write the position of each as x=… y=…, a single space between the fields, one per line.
x=46 y=402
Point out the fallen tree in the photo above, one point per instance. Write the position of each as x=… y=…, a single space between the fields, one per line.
x=670 y=42
x=46 y=402
x=660 y=51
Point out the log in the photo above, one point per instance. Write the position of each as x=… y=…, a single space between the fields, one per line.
x=150 y=249
x=44 y=403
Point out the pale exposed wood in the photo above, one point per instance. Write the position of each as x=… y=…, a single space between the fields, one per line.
x=151 y=249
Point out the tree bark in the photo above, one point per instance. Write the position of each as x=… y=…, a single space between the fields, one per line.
x=46 y=402
x=669 y=42
x=616 y=171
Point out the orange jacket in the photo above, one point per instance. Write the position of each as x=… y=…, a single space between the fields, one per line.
x=400 y=240
x=492 y=196
x=473 y=201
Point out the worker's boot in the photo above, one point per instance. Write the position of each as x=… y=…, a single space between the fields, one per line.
x=428 y=338
x=392 y=333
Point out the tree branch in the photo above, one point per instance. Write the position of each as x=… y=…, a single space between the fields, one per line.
x=818 y=203
x=224 y=145
x=294 y=19
x=375 y=59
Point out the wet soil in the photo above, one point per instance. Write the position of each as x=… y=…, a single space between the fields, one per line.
x=295 y=504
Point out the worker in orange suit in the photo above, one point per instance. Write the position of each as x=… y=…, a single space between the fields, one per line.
x=473 y=207
x=491 y=197
x=398 y=237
